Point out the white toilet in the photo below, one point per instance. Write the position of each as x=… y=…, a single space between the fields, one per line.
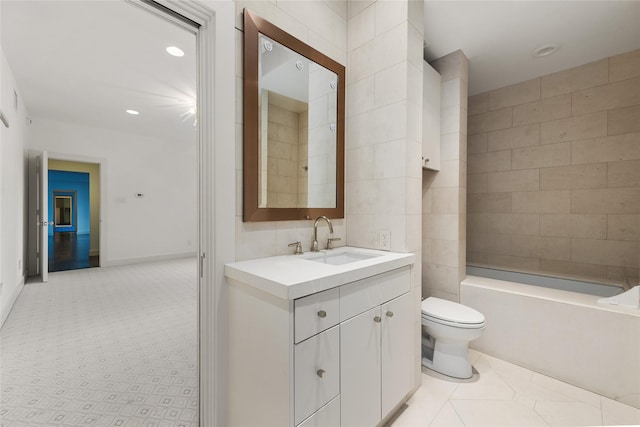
x=447 y=328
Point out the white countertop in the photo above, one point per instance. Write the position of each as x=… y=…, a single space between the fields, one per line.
x=295 y=276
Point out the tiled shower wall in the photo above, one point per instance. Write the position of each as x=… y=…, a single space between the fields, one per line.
x=554 y=173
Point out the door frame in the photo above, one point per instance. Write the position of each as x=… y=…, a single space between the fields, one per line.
x=216 y=100
x=102 y=162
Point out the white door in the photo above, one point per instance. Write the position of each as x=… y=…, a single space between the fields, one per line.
x=396 y=348
x=42 y=214
x=360 y=369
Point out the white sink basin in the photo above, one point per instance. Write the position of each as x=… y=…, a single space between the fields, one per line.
x=340 y=258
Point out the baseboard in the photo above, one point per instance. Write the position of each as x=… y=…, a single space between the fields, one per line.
x=11 y=300
x=154 y=258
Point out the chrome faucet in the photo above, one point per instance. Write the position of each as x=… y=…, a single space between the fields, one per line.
x=314 y=245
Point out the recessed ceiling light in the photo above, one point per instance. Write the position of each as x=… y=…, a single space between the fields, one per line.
x=175 y=51
x=133 y=112
x=546 y=50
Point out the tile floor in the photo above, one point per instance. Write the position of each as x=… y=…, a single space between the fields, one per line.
x=503 y=394
x=110 y=346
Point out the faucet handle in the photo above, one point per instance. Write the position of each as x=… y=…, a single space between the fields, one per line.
x=298 y=246
x=331 y=240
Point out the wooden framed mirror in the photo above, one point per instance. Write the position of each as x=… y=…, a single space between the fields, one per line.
x=294 y=107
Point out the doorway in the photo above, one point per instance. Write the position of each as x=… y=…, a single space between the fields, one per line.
x=74 y=209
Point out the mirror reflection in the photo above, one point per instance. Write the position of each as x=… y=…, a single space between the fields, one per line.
x=297 y=129
x=63 y=211
x=293 y=134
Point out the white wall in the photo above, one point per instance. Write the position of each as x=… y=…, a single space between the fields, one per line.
x=163 y=223
x=12 y=191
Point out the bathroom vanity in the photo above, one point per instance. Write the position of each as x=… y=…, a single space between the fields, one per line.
x=319 y=339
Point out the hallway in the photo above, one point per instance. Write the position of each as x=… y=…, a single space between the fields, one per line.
x=104 y=346
x=70 y=251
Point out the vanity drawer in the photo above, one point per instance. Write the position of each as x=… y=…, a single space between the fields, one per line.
x=362 y=295
x=317 y=372
x=327 y=416
x=315 y=313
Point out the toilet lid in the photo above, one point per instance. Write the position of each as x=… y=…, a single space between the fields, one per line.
x=451 y=311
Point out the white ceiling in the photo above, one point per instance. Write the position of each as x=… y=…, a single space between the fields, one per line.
x=89 y=61
x=499 y=37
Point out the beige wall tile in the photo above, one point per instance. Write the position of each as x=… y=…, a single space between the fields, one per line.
x=625 y=66
x=544 y=110
x=623 y=120
x=441 y=226
x=476 y=223
x=361 y=28
x=512 y=223
x=573 y=269
x=542 y=156
x=445 y=252
x=360 y=96
x=449 y=175
x=607 y=97
x=489 y=202
x=606 y=201
x=574 y=225
x=585 y=76
x=441 y=278
x=574 y=177
x=391 y=85
x=490 y=162
x=519 y=93
x=623 y=227
x=558 y=248
x=605 y=252
x=488 y=243
x=477 y=183
x=517 y=137
x=630 y=276
x=514 y=262
x=445 y=200
x=477 y=143
x=607 y=149
x=486 y=122
x=452 y=66
x=624 y=174
x=541 y=202
x=477 y=258
x=574 y=128
x=522 y=180
x=479 y=103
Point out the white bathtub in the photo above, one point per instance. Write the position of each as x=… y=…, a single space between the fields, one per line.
x=562 y=334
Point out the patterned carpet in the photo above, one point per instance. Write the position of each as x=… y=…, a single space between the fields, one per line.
x=110 y=346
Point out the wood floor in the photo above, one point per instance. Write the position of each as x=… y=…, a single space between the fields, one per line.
x=70 y=251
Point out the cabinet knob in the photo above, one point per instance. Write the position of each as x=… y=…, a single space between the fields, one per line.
x=389 y=313
x=322 y=314
x=377 y=319
x=320 y=372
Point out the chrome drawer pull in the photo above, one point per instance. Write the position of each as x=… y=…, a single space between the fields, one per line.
x=377 y=319
x=320 y=372
x=389 y=313
x=322 y=314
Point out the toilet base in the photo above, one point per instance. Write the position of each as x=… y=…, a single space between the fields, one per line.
x=450 y=359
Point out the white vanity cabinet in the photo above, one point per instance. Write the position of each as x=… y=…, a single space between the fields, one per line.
x=375 y=356
x=337 y=357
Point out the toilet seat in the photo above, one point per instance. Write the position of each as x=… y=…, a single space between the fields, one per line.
x=459 y=325
x=451 y=314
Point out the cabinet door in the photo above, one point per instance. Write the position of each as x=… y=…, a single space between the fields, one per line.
x=396 y=350
x=360 y=369
x=317 y=372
